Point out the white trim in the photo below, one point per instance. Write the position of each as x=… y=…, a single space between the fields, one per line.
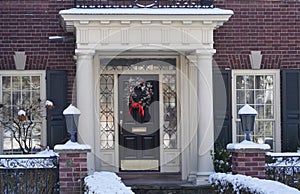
x=161 y=120
x=183 y=104
x=116 y=122
x=115 y=152
x=145 y=11
x=277 y=111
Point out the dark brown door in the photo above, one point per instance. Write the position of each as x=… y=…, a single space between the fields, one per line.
x=139 y=122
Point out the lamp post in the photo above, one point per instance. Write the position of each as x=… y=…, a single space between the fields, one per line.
x=72 y=115
x=247 y=115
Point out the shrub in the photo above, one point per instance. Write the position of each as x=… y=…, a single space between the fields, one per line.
x=236 y=184
x=221 y=160
x=28 y=181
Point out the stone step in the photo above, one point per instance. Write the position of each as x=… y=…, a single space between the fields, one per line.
x=161 y=183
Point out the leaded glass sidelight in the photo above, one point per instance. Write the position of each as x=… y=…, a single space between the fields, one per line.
x=107 y=131
x=170 y=111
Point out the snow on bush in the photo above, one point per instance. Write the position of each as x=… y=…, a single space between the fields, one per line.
x=228 y=183
x=105 y=183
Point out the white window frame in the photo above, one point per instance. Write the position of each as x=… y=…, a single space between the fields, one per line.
x=277 y=110
x=42 y=74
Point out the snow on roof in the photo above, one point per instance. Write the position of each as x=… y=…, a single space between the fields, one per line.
x=148 y=11
x=248 y=145
x=105 y=182
x=72 y=146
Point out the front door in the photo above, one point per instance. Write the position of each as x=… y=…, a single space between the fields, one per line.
x=139 y=122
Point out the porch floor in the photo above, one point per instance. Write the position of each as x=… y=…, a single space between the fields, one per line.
x=162 y=183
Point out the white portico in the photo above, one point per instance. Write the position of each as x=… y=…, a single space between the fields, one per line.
x=185 y=35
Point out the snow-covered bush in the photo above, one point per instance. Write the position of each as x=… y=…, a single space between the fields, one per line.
x=105 y=183
x=21 y=120
x=229 y=184
x=221 y=160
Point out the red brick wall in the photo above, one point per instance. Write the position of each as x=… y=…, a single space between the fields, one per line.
x=72 y=171
x=272 y=26
x=25 y=25
x=250 y=164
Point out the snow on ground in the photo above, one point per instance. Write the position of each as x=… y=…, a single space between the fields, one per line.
x=105 y=183
x=255 y=185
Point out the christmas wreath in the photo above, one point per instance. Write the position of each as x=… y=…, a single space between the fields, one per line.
x=140 y=95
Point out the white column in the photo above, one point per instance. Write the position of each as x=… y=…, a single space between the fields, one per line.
x=193 y=118
x=205 y=114
x=85 y=102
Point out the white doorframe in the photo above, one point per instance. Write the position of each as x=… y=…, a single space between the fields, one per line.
x=109 y=159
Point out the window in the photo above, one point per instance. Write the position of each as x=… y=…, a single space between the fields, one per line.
x=107 y=132
x=259 y=89
x=17 y=90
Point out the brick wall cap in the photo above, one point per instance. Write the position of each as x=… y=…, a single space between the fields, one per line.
x=72 y=147
x=248 y=145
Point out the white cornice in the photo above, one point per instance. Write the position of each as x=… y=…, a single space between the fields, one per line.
x=151 y=11
x=107 y=16
x=130 y=28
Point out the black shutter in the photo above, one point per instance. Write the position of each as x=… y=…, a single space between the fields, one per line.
x=290 y=110
x=222 y=108
x=56 y=86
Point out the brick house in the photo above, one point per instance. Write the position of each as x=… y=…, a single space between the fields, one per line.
x=137 y=75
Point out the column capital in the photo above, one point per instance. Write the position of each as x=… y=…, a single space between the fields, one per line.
x=204 y=52
x=200 y=54
x=84 y=53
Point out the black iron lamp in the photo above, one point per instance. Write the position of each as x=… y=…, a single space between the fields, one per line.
x=247 y=115
x=72 y=116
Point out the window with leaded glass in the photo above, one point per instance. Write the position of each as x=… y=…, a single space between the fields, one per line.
x=259 y=89
x=170 y=111
x=107 y=131
x=19 y=91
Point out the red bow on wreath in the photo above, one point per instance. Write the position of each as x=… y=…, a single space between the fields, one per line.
x=136 y=105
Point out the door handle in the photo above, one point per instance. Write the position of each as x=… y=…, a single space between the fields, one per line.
x=121 y=127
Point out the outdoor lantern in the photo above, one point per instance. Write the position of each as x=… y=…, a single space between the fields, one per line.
x=72 y=115
x=247 y=115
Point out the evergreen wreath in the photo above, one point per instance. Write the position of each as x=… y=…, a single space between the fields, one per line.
x=140 y=95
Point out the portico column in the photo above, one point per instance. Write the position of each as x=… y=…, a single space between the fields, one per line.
x=205 y=114
x=85 y=101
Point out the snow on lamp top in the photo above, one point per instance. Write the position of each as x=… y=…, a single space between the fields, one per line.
x=247 y=110
x=71 y=110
